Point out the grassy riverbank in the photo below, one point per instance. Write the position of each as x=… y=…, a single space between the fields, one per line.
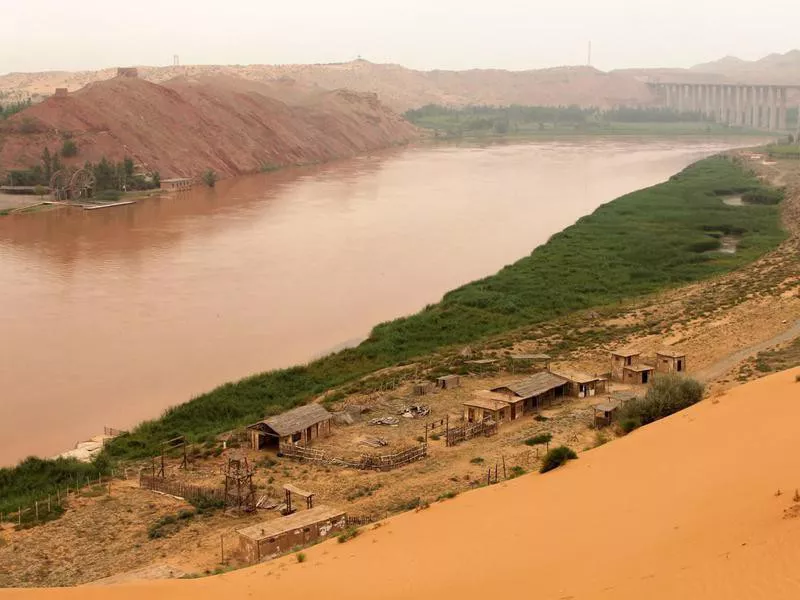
x=659 y=237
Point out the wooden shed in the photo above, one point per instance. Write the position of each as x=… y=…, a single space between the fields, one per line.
x=300 y=425
x=480 y=408
x=272 y=538
x=580 y=384
x=604 y=413
x=621 y=359
x=448 y=381
x=670 y=361
x=529 y=362
x=176 y=184
x=534 y=391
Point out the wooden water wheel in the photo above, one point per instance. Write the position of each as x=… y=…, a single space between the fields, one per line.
x=81 y=184
x=59 y=184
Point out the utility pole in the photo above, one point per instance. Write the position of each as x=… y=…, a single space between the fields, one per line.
x=589 y=55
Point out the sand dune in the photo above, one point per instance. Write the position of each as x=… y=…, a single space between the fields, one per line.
x=684 y=508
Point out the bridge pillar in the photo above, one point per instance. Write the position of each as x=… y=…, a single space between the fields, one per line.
x=738 y=90
x=723 y=104
x=782 y=109
x=773 y=113
x=754 y=107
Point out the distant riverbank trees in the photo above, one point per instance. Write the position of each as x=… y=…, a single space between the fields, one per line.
x=516 y=118
x=12 y=108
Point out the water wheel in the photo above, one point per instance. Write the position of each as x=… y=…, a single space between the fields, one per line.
x=81 y=184
x=59 y=184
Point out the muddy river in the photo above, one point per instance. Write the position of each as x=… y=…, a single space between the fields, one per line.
x=107 y=317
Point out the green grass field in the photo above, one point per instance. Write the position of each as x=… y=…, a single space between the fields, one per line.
x=648 y=240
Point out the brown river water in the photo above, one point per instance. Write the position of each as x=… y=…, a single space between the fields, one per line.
x=107 y=317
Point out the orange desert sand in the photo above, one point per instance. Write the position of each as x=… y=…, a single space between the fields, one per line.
x=685 y=508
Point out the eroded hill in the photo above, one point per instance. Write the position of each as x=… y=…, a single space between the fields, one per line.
x=187 y=125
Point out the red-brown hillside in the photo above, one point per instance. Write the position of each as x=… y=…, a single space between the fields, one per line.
x=185 y=126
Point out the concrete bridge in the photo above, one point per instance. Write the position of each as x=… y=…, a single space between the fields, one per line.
x=744 y=105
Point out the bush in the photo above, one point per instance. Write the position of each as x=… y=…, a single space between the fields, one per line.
x=628 y=425
x=301 y=558
x=667 y=395
x=557 y=457
x=210 y=177
x=477 y=460
x=69 y=148
x=763 y=196
x=109 y=195
x=539 y=440
x=348 y=535
x=516 y=471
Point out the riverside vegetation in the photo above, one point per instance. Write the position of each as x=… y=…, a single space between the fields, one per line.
x=659 y=237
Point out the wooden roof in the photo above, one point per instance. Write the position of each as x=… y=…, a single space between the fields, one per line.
x=535 y=385
x=625 y=353
x=490 y=395
x=448 y=377
x=576 y=376
x=624 y=396
x=481 y=361
x=671 y=353
x=530 y=357
x=639 y=368
x=487 y=403
x=297 y=520
x=296 y=490
x=606 y=407
x=295 y=420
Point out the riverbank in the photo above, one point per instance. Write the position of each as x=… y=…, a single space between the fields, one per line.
x=656 y=238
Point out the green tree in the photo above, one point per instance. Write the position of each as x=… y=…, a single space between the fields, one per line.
x=47 y=163
x=105 y=175
x=128 y=165
x=69 y=148
x=156 y=177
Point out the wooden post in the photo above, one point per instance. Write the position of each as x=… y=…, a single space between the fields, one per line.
x=505 y=476
x=495 y=472
x=489 y=476
x=19 y=516
x=48 y=504
x=37 y=509
x=58 y=496
x=222 y=548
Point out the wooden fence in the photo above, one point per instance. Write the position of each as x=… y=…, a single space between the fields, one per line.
x=467 y=431
x=385 y=462
x=179 y=489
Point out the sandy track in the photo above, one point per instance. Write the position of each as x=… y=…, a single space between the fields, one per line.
x=686 y=507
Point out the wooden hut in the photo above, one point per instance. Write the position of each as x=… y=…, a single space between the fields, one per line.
x=448 y=381
x=300 y=425
x=529 y=362
x=480 y=408
x=176 y=184
x=534 y=391
x=272 y=538
x=670 y=361
x=604 y=413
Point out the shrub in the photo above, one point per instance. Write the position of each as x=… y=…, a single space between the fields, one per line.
x=628 y=425
x=667 y=395
x=348 y=535
x=301 y=557
x=478 y=460
x=763 y=196
x=557 y=457
x=69 y=148
x=539 y=440
x=109 y=195
x=516 y=471
x=447 y=496
x=210 y=177
x=540 y=418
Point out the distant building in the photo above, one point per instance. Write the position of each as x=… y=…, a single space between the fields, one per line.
x=127 y=72
x=621 y=359
x=273 y=538
x=482 y=407
x=670 y=361
x=61 y=92
x=532 y=392
x=582 y=385
x=448 y=381
x=300 y=425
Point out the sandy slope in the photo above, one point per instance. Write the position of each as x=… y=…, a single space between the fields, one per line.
x=685 y=508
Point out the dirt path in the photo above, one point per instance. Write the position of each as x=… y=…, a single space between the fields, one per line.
x=719 y=368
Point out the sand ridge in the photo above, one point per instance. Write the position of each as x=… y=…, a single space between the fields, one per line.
x=686 y=507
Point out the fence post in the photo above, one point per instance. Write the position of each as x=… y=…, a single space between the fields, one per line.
x=19 y=516
x=36 y=503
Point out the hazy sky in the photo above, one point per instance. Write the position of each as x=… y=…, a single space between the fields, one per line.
x=514 y=34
